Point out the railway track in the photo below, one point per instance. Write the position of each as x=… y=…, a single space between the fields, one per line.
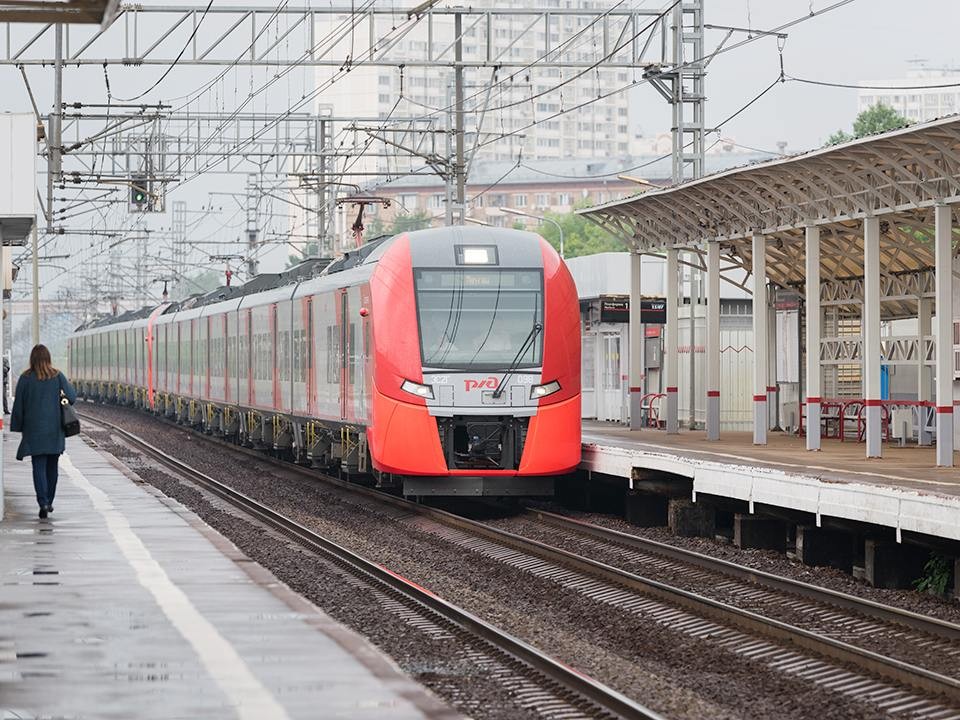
x=828 y=657
x=539 y=682
x=838 y=614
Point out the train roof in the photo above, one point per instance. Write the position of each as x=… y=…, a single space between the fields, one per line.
x=353 y=258
x=302 y=278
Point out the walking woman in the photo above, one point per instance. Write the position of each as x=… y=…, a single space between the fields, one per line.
x=36 y=414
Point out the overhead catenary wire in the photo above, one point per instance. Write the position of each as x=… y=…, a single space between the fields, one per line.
x=331 y=35
x=348 y=65
x=176 y=60
x=503 y=136
x=851 y=86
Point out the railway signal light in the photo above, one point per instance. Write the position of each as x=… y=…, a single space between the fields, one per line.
x=139 y=193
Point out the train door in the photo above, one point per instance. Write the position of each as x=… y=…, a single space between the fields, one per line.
x=274 y=356
x=311 y=378
x=610 y=389
x=178 y=363
x=345 y=351
x=246 y=373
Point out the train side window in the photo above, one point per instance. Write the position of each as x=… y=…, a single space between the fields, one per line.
x=260 y=356
x=308 y=341
x=333 y=362
x=352 y=352
x=244 y=358
x=295 y=356
x=264 y=351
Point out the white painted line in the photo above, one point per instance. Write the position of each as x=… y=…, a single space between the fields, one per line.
x=250 y=698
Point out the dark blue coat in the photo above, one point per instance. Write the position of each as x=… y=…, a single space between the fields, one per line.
x=36 y=414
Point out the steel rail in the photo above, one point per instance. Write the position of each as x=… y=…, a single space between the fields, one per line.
x=889 y=668
x=868 y=608
x=602 y=697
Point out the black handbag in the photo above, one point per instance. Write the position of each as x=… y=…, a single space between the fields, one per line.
x=68 y=417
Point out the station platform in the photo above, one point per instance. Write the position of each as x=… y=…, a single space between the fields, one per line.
x=903 y=490
x=124 y=604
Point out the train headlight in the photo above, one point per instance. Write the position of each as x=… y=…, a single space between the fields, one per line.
x=424 y=391
x=541 y=391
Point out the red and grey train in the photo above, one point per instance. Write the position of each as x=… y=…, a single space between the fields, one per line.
x=447 y=360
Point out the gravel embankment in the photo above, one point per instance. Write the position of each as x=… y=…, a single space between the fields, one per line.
x=665 y=669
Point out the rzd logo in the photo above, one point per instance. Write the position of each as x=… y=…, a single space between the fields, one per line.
x=490 y=383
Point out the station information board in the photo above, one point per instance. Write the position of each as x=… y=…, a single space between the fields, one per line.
x=653 y=311
x=615 y=309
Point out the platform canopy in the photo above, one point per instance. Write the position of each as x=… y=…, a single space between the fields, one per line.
x=897 y=176
x=101 y=12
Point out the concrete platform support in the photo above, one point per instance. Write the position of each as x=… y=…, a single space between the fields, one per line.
x=671 y=342
x=646 y=509
x=636 y=344
x=690 y=519
x=956 y=577
x=871 y=334
x=760 y=341
x=760 y=533
x=813 y=319
x=713 y=341
x=889 y=564
x=924 y=371
x=822 y=546
x=943 y=332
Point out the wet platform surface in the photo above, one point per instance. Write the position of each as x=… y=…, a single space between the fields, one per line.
x=124 y=604
x=904 y=489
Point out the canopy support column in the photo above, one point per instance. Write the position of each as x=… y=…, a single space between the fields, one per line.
x=813 y=317
x=713 y=341
x=636 y=344
x=761 y=355
x=773 y=405
x=870 y=320
x=943 y=268
x=671 y=341
x=924 y=371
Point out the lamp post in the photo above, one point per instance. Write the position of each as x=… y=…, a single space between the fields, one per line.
x=541 y=218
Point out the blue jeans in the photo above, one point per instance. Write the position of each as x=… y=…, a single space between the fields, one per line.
x=45 y=478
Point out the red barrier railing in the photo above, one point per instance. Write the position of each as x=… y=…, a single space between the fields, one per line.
x=838 y=414
x=650 y=409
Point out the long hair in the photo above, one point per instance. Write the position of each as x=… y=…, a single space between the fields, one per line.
x=40 y=364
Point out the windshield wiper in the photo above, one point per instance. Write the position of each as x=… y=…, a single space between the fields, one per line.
x=537 y=327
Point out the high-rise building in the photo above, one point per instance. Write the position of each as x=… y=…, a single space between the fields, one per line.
x=522 y=103
x=917 y=96
x=544 y=81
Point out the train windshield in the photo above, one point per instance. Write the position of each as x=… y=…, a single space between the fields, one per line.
x=480 y=318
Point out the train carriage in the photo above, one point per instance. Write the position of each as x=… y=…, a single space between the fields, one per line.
x=446 y=361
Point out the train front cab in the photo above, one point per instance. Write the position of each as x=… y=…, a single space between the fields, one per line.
x=479 y=393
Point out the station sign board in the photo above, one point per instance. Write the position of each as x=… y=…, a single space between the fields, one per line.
x=615 y=309
x=653 y=311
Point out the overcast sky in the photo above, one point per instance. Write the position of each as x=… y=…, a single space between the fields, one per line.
x=864 y=40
